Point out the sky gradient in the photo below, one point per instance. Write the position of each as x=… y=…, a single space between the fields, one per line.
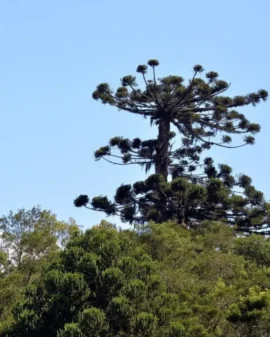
x=54 y=53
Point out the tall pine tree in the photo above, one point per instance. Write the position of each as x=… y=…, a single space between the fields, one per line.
x=184 y=187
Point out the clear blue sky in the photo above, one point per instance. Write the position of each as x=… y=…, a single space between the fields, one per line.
x=54 y=53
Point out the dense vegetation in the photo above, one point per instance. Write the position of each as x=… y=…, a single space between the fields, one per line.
x=184 y=270
x=167 y=281
x=28 y=239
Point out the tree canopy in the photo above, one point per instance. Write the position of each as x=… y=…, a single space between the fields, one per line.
x=164 y=282
x=29 y=239
x=191 y=117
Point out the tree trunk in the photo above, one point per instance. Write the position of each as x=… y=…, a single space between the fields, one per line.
x=162 y=152
x=162 y=161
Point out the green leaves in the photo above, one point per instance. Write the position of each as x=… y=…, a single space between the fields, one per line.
x=198 y=68
x=121 y=92
x=128 y=81
x=144 y=325
x=92 y=322
x=263 y=94
x=177 y=330
x=163 y=281
x=251 y=310
x=103 y=204
x=169 y=96
x=119 y=314
x=127 y=213
x=153 y=63
x=254 y=248
x=123 y=194
x=103 y=151
x=81 y=200
x=104 y=284
x=211 y=75
x=30 y=238
x=142 y=69
x=70 y=330
x=190 y=200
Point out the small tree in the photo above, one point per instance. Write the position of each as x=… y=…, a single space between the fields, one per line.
x=184 y=187
x=28 y=235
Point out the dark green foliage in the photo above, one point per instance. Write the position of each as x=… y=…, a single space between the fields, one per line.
x=251 y=312
x=164 y=282
x=189 y=201
x=29 y=239
x=82 y=200
x=254 y=248
x=198 y=109
x=217 y=277
x=102 y=284
x=189 y=189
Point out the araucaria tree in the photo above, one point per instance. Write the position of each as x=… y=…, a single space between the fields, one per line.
x=184 y=187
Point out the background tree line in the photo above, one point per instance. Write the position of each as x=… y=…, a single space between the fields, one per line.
x=164 y=281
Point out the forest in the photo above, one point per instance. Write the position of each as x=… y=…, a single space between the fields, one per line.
x=195 y=261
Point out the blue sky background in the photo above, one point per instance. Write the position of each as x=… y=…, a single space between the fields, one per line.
x=54 y=53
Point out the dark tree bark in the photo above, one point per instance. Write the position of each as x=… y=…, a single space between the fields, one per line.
x=163 y=143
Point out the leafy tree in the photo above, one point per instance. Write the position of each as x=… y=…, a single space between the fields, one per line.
x=165 y=281
x=209 y=273
x=184 y=188
x=250 y=314
x=29 y=238
x=102 y=284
